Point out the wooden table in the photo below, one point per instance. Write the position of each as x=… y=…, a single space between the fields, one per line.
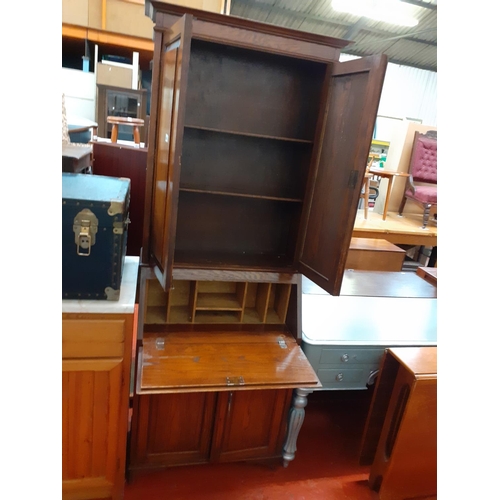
x=76 y=159
x=387 y=174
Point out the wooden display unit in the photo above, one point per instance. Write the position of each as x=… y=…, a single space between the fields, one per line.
x=258 y=143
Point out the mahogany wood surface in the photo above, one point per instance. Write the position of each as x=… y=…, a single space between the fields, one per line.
x=204 y=361
x=209 y=427
x=116 y=160
x=429 y=274
x=400 y=437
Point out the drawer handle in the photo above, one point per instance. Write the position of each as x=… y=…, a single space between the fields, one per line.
x=372 y=377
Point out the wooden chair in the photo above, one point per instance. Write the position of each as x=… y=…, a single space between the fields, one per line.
x=423 y=170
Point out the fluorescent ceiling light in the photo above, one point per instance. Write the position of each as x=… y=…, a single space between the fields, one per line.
x=387 y=11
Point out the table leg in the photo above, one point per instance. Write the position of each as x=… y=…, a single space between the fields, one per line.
x=367 y=193
x=137 y=136
x=114 y=133
x=295 y=421
x=387 y=196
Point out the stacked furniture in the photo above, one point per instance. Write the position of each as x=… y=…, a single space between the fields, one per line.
x=257 y=149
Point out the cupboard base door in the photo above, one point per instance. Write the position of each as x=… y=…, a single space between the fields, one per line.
x=252 y=425
x=172 y=429
x=91 y=391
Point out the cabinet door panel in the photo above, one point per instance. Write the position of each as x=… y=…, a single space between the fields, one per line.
x=250 y=424
x=91 y=400
x=173 y=429
x=167 y=145
x=352 y=105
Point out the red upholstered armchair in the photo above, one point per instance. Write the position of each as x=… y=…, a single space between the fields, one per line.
x=423 y=170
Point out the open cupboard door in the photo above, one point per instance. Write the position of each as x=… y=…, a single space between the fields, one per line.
x=353 y=100
x=166 y=150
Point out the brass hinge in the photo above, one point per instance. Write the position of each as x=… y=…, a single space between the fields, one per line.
x=235 y=381
x=281 y=342
x=353 y=179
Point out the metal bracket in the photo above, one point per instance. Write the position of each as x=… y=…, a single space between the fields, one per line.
x=160 y=344
x=235 y=381
x=85 y=228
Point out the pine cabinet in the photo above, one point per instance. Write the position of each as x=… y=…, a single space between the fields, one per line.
x=97 y=341
x=258 y=144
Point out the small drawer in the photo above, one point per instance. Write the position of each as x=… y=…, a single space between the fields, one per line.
x=350 y=356
x=342 y=377
x=93 y=338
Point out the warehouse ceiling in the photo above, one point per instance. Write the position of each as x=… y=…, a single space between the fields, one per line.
x=415 y=46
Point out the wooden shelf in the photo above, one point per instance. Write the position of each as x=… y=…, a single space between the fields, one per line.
x=242 y=195
x=248 y=134
x=194 y=301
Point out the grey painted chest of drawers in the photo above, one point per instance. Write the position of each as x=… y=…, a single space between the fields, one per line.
x=344 y=337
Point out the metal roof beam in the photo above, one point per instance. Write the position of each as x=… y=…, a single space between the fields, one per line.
x=329 y=21
x=419 y=3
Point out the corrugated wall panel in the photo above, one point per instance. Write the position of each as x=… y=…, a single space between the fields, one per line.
x=408 y=93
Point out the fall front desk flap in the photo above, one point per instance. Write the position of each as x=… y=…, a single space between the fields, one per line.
x=214 y=361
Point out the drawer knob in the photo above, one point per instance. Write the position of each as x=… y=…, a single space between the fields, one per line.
x=339 y=377
x=344 y=358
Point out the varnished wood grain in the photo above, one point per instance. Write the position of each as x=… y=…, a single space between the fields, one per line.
x=203 y=361
x=374 y=255
x=405 y=230
x=405 y=461
x=354 y=95
x=250 y=424
x=154 y=9
x=95 y=390
x=124 y=161
x=428 y=274
x=84 y=338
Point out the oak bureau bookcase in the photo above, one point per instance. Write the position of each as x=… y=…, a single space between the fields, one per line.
x=258 y=144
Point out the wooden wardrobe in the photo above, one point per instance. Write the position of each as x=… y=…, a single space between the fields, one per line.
x=258 y=144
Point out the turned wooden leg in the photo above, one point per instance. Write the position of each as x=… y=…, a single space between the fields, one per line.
x=387 y=196
x=402 y=206
x=367 y=196
x=114 y=132
x=427 y=211
x=295 y=421
x=137 y=135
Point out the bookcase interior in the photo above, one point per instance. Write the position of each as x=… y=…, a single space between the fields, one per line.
x=245 y=162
